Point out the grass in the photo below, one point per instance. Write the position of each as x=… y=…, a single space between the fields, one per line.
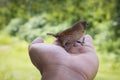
x=109 y=69
x=15 y=63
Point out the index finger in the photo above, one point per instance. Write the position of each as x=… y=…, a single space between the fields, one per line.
x=88 y=45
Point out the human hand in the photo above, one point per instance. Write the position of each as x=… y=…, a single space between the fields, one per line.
x=54 y=63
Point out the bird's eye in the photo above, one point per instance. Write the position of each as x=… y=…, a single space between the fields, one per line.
x=83 y=31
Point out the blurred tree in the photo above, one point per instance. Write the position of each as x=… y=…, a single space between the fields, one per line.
x=117 y=19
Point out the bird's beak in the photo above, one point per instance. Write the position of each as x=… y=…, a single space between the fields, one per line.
x=84 y=23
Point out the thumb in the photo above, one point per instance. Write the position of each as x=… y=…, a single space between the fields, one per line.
x=37 y=40
x=89 y=41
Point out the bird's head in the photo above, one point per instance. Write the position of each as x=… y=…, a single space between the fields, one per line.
x=81 y=25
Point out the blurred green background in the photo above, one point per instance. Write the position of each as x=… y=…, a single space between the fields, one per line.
x=21 y=21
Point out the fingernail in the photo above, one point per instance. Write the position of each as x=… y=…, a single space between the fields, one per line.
x=37 y=40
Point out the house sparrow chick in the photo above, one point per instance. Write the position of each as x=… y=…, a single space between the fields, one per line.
x=70 y=36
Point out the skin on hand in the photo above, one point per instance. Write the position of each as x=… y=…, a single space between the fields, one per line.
x=54 y=63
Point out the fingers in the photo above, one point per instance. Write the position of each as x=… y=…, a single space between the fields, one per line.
x=88 y=45
x=88 y=41
x=57 y=42
x=37 y=40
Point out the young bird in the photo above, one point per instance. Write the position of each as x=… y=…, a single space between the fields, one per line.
x=70 y=36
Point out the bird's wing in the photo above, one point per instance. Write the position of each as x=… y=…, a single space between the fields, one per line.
x=66 y=32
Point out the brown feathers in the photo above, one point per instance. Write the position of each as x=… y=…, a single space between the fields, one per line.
x=71 y=35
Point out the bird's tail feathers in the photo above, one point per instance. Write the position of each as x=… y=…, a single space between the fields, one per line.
x=55 y=35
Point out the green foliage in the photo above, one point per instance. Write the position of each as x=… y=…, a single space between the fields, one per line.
x=14 y=26
x=31 y=29
x=36 y=26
